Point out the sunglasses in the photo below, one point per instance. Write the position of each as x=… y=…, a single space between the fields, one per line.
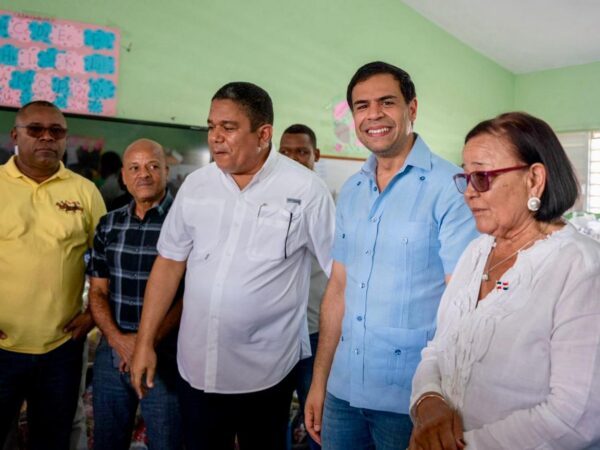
x=37 y=131
x=480 y=180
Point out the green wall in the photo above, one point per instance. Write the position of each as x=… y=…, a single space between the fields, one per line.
x=568 y=99
x=176 y=54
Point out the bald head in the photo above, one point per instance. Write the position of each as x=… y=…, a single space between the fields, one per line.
x=148 y=144
x=145 y=171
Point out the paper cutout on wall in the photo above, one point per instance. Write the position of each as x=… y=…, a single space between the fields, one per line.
x=347 y=144
x=72 y=64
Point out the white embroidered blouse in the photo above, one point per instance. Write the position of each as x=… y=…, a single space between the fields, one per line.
x=523 y=365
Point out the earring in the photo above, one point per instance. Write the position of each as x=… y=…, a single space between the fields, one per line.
x=534 y=203
x=16 y=149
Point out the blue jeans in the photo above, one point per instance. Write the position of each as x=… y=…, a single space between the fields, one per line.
x=346 y=427
x=304 y=372
x=115 y=404
x=50 y=384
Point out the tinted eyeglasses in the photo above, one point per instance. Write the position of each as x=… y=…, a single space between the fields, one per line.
x=480 y=180
x=37 y=131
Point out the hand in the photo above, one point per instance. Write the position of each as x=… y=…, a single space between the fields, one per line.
x=3 y=335
x=123 y=344
x=437 y=427
x=80 y=325
x=313 y=412
x=143 y=364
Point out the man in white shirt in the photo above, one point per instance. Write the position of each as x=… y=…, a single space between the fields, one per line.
x=243 y=230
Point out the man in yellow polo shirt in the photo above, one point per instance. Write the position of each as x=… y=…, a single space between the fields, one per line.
x=48 y=216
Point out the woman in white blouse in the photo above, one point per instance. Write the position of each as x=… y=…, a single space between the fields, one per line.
x=515 y=362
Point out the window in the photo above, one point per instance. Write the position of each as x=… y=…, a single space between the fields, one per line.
x=583 y=149
x=593 y=204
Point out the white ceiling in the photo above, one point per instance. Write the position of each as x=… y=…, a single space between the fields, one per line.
x=521 y=35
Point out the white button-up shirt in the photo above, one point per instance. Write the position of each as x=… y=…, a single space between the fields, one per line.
x=523 y=365
x=248 y=256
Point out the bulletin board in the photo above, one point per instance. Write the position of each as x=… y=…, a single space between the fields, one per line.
x=72 y=64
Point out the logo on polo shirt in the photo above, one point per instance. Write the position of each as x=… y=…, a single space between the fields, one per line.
x=69 y=206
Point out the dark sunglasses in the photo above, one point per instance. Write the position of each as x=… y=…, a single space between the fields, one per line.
x=37 y=131
x=480 y=180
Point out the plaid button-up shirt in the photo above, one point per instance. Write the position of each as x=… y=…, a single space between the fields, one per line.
x=124 y=252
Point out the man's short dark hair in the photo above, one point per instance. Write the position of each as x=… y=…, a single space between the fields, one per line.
x=407 y=87
x=299 y=128
x=534 y=142
x=38 y=103
x=254 y=99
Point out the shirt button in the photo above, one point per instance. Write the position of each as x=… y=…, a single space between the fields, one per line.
x=362 y=285
x=373 y=219
x=357 y=351
x=375 y=188
x=359 y=318
x=404 y=240
x=422 y=178
x=367 y=252
x=397 y=352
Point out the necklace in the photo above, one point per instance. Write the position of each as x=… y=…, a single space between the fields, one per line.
x=486 y=271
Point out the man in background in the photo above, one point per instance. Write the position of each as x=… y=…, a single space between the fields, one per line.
x=245 y=227
x=401 y=226
x=299 y=143
x=110 y=168
x=48 y=218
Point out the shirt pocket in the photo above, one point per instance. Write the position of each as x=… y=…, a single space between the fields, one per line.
x=414 y=241
x=203 y=218
x=398 y=351
x=274 y=234
x=67 y=219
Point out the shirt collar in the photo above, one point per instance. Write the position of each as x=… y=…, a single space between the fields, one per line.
x=419 y=156
x=13 y=171
x=161 y=209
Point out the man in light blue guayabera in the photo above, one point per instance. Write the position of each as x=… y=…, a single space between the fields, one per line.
x=400 y=229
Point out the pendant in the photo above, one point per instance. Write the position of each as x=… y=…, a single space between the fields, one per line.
x=485 y=277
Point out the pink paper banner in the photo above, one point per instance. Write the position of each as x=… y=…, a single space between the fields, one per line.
x=347 y=144
x=72 y=64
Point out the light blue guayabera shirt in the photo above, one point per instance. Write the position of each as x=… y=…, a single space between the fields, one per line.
x=397 y=246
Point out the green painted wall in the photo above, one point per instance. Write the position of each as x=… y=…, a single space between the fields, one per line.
x=176 y=54
x=568 y=99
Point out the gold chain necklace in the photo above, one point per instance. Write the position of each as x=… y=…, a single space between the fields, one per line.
x=486 y=271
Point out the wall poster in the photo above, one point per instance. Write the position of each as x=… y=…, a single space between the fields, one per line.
x=72 y=64
x=347 y=145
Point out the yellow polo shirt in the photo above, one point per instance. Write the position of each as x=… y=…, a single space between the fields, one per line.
x=45 y=230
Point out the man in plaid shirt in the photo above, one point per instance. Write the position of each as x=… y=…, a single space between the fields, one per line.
x=123 y=255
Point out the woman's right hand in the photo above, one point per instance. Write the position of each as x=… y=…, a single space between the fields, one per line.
x=437 y=427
